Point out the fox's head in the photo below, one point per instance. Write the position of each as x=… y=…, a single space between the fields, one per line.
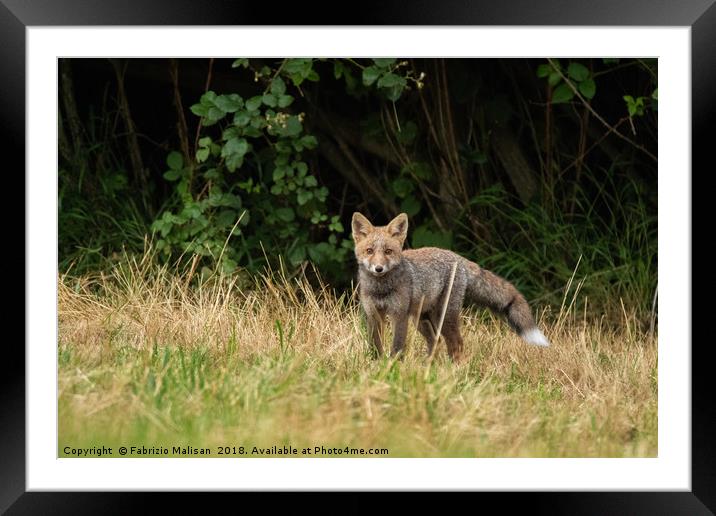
x=379 y=248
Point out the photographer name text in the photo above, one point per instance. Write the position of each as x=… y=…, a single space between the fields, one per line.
x=222 y=451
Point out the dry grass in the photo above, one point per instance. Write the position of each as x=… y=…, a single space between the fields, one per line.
x=145 y=359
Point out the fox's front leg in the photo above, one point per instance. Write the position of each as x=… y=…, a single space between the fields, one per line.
x=376 y=326
x=400 y=331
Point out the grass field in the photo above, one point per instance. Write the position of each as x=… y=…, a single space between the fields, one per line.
x=147 y=359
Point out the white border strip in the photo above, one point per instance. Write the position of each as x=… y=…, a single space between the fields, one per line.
x=671 y=470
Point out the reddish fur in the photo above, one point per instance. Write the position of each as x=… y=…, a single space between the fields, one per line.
x=408 y=281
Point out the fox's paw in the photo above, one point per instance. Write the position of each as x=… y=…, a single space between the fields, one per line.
x=535 y=337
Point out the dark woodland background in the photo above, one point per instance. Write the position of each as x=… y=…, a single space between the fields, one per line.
x=531 y=167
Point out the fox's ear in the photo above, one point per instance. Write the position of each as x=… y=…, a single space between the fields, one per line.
x=398 y=227
x=361 y=227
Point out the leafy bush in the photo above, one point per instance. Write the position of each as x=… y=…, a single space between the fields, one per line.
x=253 y=183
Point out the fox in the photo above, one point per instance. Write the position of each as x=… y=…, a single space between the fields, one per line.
x=403 y=284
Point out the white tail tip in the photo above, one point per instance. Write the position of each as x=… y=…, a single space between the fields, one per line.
x=535 y=337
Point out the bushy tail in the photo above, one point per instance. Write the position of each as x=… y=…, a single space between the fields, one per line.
x=487 y=289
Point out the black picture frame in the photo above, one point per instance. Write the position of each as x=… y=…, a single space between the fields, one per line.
x=700 y=15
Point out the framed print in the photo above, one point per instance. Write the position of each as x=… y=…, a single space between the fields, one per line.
x=244 y=233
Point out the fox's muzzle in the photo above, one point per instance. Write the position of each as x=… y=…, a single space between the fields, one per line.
x=375 y=269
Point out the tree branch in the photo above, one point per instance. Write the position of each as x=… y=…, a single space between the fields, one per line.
x=611 y=128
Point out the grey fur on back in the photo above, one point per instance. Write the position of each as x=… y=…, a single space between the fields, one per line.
x=420 y=282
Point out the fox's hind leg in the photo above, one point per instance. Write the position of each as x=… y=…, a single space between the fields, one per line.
x=453 y=338
x=450 y=332
x=451 y=324
x=427 y=330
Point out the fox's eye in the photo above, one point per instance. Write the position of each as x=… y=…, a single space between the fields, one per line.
x=369 y=251
x=388 y=251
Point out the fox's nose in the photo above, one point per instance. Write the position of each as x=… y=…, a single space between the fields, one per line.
x=378 y=268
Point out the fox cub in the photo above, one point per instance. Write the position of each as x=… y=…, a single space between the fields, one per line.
x=398 y=284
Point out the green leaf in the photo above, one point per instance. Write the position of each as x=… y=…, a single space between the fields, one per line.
x=384 y=62
x=229 y=103
x=302 y=168
x=229 y=133
x=425 y=237
x=172 y=175
x=544 y=70
x=578 y=71
x=394 y=93
x=205 y=141
x=234 y=162
x=562 y=93
x=252 y=132
x=240 y=62
x=199 y=109
x=285 y=101
x=316 y=253
x=228 y=265
x=390 y=80
x=285 y=214
x=297 y=255
x=242 y=118
x=588 y=88
x=310 y=181
x=402 y=187
x=410 y=205
x=212 y=174
x=421 y=170
x=297 y=65
x=253 y=103
x=336 y=226
x=270 y=100
x=284 y=154
x=280 y=172
x=299 y=70
x=214 y=114
x=165 y=229
x=554 y=78
x=408 y=133
x=226 y=218
x=208 y=98
x=370 y=75
x=303 y=196
x=202 y=154
x=634 y=106
x=278 y=87
x=655 y=94
x=175 y=161
x=235 y=146
x=215 y=197
x=293 y=126
x=309 y=141
x=337 y=69
x=232 y=200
